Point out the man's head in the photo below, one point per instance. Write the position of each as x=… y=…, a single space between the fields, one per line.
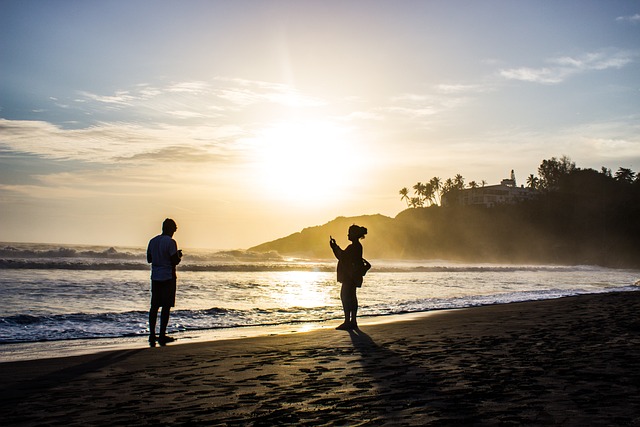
x=169 y=227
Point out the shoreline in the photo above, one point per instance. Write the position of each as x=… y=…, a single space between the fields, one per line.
x=569 y=361
x=27 y=351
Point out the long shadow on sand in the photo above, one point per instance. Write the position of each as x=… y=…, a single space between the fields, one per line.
x=412 y=394
x=16 y=389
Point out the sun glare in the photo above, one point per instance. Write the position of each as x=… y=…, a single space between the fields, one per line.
x=305 y=161
x=303 y=289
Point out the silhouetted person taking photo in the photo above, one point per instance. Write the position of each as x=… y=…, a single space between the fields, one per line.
x=163 y=255
x=350 y=274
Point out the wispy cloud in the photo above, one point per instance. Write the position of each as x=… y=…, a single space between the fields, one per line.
x=561 y=68
x=116 y=142
x=187 y=99
x=247 y=92
x=178 y=154
x=536 y=75
x=462 y=88
x=148 y=122
x=441 y=99
x=193 y=87
x=615 y=139
x=187 y=114
x=122 y=98
x=634 y=19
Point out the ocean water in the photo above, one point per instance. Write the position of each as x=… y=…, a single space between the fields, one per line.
x=53 y=293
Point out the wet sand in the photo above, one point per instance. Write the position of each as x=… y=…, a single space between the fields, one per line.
x=572 y=361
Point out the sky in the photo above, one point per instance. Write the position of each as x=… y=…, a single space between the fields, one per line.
x=249 y=120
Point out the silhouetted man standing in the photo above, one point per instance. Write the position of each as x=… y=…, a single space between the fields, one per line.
x=163 y=255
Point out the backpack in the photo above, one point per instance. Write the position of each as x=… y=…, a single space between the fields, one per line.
x=364 y=267
x=361 y=270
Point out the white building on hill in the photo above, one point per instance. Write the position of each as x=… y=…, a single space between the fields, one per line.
x=490 y=195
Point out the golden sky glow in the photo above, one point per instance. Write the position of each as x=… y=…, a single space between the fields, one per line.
x=305 y=161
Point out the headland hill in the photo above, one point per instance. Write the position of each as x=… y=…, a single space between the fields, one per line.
x=566 y=216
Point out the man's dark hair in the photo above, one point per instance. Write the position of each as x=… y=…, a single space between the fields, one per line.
x=169 y=225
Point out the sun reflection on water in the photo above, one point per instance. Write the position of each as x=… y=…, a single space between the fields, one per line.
x=302 y=289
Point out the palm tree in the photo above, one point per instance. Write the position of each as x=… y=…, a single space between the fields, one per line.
x=419 y=190
x=473 y=185
x=436 y=185
x=625 y=175
x=448 y=186
x=404 y=192
x=428 y=194
x=532 y=182
x=458 y=182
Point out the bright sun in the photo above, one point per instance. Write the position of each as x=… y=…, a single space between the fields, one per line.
x=305 y=161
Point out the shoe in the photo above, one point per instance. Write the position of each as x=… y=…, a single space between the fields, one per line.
x=343 y=327
x=165 y=339
x=152 y=340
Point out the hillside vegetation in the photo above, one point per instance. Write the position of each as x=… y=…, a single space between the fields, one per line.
x=584 y=217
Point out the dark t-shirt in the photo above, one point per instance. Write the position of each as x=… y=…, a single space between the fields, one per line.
x=348 y=261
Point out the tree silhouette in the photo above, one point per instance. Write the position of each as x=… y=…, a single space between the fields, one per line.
x=404 y=192
x=436 y=186
x=418 y=201
x=550 y=171
x=625 y=175
x=428 y=193
x=448 y=186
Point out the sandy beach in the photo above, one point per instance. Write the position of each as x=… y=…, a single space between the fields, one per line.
x=571 y=361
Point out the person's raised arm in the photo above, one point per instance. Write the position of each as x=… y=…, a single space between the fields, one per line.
x=337 y=251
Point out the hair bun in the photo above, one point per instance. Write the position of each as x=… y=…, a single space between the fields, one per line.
x=358 y=231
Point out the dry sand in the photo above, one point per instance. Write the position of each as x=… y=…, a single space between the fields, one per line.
x=572 y=361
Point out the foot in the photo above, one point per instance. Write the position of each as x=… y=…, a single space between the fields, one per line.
x=152 y=340
x=343 y=327
x=165 y=339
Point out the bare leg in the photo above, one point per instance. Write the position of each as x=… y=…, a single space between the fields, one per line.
x=164 y=320
x=345 y=307
x=153 y=317
x=354 y=312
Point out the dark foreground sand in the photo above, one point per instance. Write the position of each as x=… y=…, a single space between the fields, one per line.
x=573 y=361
